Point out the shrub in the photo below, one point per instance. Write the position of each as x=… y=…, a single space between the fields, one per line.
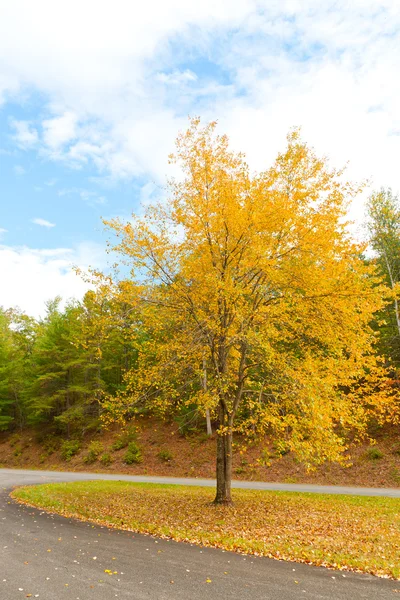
x=374 y=453
x=119 y=443
x=265 y=459
x=14 y=439
x=69 y=448
x=165 y=455
x=133 y=455
x=94 y=451
x=106 y=459
x=50 y=444
x=17 y=450
x=281 y=448
x=123 y=440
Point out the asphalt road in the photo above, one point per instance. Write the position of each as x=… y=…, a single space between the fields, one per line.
x=25 y=476
x=50 y=557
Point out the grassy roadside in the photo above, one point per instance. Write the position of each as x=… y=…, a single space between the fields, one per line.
x=343 y=532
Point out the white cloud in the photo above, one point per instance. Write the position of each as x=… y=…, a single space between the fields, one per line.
x=119 y=89
x=177 y=77
x=2 y=231
x=25 y=135
x=99 y=81
x=43 y=222
x=59 y=131
x=34 y=276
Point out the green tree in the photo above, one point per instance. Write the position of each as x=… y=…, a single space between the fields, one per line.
x=59 y=392
x=383 y=213
x=17 y=334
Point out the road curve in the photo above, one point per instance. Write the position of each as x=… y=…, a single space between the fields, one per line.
x=50 y=557
x=38 y=476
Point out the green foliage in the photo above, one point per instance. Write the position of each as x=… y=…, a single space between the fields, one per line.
x=50 y=444
x=94 y=450
x=55 y=372
x=240 y=470
x=16 y=339
x=106 y=459
x=165 y=455
x=383 y=212
x=188 y=420
x=133 y=455
x=69 y=448
x=123 y=440
x=374 y=453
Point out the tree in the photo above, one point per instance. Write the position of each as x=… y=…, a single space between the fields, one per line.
x=383 y=212
x=60 y=393
x=17 y=334
x=257 y=276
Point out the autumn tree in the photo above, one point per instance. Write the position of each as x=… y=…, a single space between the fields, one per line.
x=256 y=277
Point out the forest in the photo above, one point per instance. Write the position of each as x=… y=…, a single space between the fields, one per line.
x=241 y=305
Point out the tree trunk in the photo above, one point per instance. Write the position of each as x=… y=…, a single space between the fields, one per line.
x=224 y=467
x=67 y=401
x=204 y=384
x=208 y=420
x=392 y=283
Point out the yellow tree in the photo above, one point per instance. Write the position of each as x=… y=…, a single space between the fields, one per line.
x=256 y=277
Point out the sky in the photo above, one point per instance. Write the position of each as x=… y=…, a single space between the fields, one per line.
x=94 y=92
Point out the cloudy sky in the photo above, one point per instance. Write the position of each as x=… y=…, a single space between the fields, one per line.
x=93 y=93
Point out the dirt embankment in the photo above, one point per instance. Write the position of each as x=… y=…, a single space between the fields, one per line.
x=164 y=451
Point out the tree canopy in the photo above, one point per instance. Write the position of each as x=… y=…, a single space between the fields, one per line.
x=257 y=276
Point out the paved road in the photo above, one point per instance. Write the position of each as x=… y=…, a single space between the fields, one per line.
x=50 y=557
x=25 y=476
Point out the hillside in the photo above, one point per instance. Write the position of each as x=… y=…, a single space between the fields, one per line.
x=164 y=451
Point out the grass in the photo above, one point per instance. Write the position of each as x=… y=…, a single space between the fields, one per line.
x=343 y=532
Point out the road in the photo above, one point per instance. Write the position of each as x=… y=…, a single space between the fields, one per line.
x=31 y=476
x=50 y=557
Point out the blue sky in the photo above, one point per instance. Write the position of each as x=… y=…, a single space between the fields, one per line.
x=93 y=94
